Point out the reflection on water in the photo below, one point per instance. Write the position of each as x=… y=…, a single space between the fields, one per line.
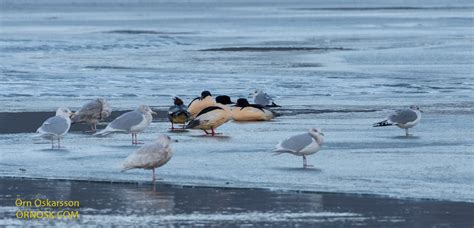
x=127 y=204
x=299 y=169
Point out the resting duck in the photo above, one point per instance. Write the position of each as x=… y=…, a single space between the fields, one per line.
x=243 y=111
x=224 y=99
x=200 y=103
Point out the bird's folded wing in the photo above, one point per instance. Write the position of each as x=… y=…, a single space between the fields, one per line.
x=403 y=116
x=127 y=120
x=54 y=125
x=296 y=143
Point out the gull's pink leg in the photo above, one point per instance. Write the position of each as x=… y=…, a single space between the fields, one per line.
x=59 y=142
x=136 y=139
x=305 y=165
x=212 y=133
x=154 y=182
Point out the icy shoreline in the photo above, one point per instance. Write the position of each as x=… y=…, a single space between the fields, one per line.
x=355 y=159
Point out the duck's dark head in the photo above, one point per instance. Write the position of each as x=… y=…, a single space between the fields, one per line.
x=224 y=99
x=178 y=101
x=242 y=102
x=205 y=94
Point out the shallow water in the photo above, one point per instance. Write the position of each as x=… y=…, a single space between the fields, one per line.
x=129 y=204
x=373 y=57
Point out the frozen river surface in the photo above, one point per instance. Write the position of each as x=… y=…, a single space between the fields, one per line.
x=355 y=61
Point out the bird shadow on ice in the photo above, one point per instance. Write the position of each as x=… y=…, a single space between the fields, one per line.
x=218 y=136
x=405 y=137
x=299 y=169
x=178 y=131
x=125 y=146
x=57 y=150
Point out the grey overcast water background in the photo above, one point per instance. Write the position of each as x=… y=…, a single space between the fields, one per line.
x=338 y=65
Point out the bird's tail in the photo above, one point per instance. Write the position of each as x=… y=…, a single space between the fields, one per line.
x=37 y=135
x=279 y=150
x=125 y=168
x=274 y=105
x=103 y=132
x=382 y=124
x=192 y=124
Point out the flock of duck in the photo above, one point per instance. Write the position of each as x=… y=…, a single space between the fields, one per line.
x=204 y=113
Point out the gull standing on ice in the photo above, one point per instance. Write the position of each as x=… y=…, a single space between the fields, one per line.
x=54 y=128
x=263 y=99
x=243 y=111
x=132 y=122
x=404 y=118
x=92 y=112
x=302 y=144
x=178 y=113
x=150 y=156
x=200 y=103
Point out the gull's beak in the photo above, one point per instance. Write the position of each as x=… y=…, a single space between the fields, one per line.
x=175 y=140
x=72 y=114
x=154 y=113
x=421 y=111
x=321 y=133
